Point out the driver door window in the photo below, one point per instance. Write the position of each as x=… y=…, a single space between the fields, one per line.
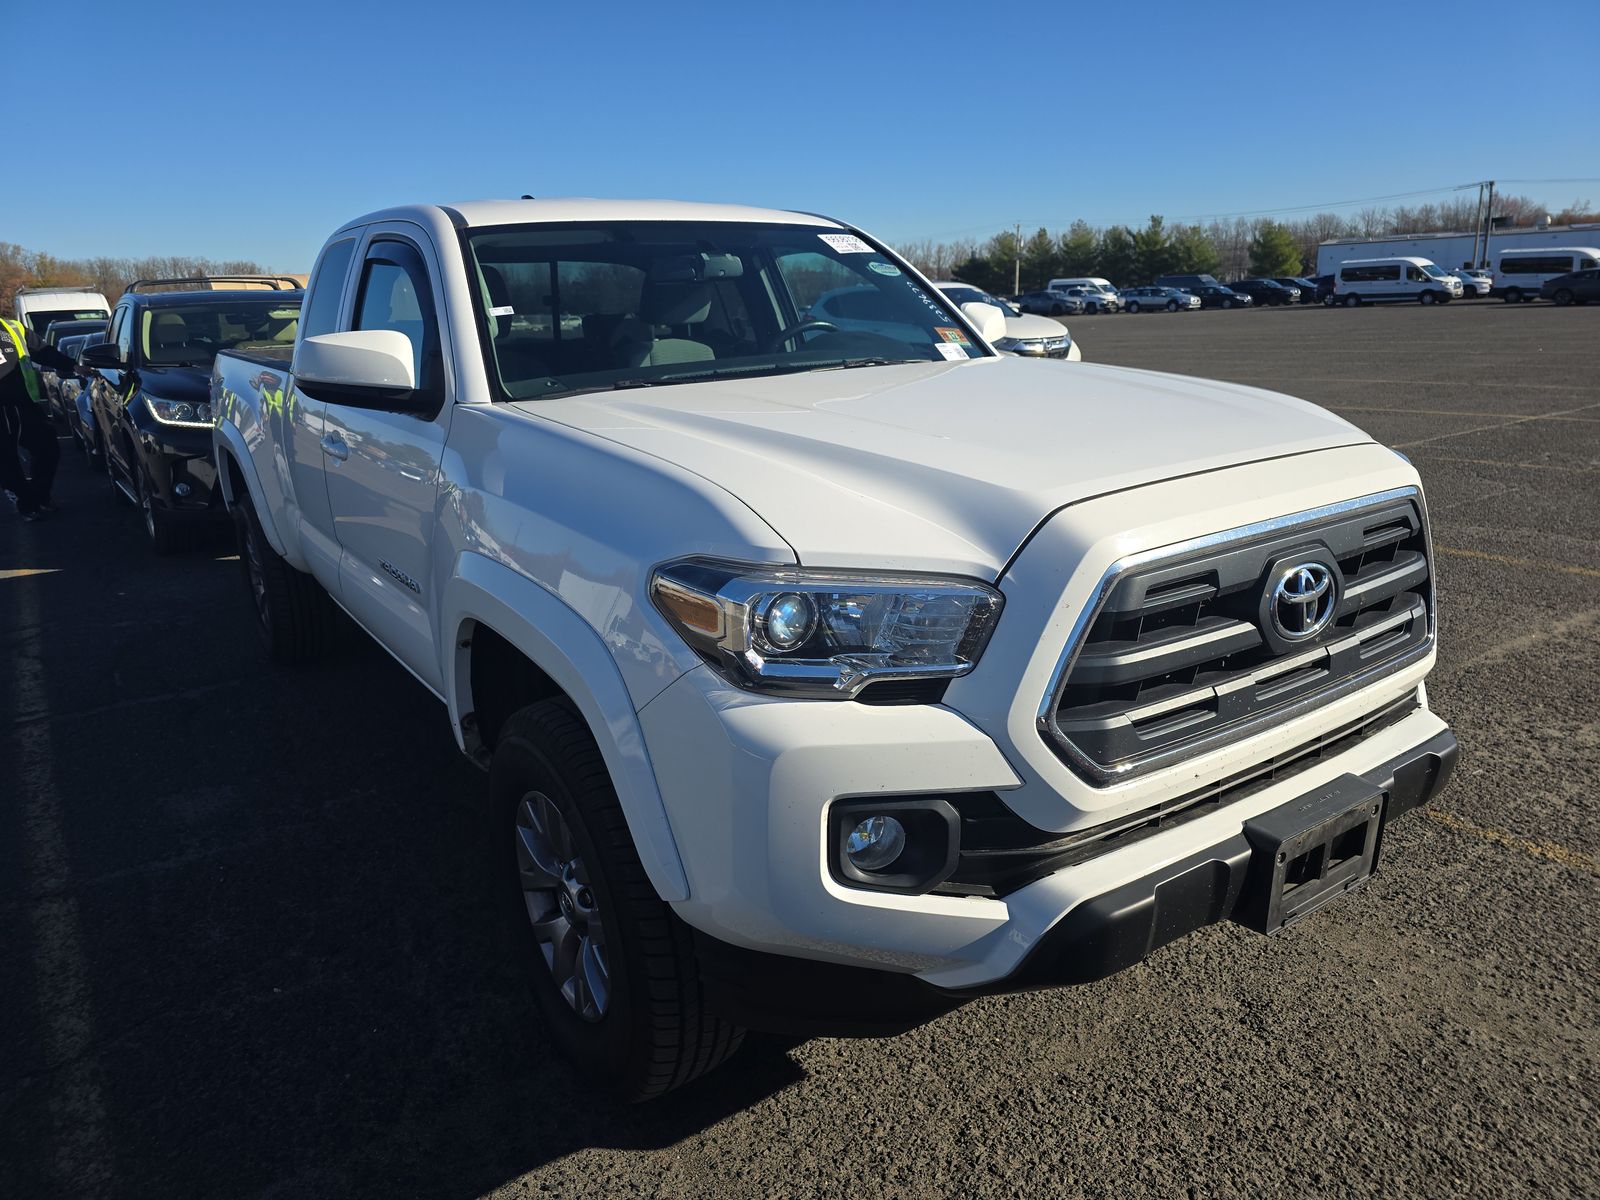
x=395 y=294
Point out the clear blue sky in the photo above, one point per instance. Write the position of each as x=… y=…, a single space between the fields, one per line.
x=251 y=130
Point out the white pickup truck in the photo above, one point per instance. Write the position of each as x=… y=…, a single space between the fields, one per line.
x=825 y=678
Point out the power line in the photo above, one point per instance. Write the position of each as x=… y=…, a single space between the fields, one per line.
x=1329 y=205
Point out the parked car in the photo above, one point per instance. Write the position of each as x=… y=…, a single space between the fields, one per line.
x=1188 y=282
x=1217 y=296
x=49 y=377
x=1094 y=300
x=825 y=679
x=1475 y=283
x=62 y=398
x=1088 y=283
x=1386 y=280
x=1575 y=287
x=1025 y=335
x=1520 y=274
x=1325 y=294
x=1153 y=299
x=1306 y=287
x=863 y=308
x=1265 y=293
x=1051 y=304
x=78 y=413
x=149 y=388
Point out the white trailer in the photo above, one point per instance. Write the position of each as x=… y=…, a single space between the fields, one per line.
x=1451 y=250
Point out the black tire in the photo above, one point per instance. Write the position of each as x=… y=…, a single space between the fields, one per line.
x=1427 y=298
x=655 y=1033
x=294 y=616
x=1563 y=297
x=1227 y=304
x=1172 y=306
x=1513 y=296
x=1133 y=306
x=1352 y=301
x=166 y=535
x=1056 y=310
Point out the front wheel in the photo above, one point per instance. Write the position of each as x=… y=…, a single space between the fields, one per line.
x=614 y=970
x=1172 y=306
x=1134 y=307
x=1563 y=297
x=294 y=616
x=1227 y=304
x=1428 y=298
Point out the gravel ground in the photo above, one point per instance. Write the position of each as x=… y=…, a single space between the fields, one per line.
x=243 y=916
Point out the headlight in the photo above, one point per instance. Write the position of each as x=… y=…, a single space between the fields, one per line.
x=179 y=412
x=1009 y=343
x=824 y=634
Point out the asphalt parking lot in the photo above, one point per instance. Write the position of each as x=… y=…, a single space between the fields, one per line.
x=245 y=942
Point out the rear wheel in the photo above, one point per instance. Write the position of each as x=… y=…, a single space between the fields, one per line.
x=293 y=614
x=614 y=970
x=1563 y=297
x=1513 y=296
x=1352 y=301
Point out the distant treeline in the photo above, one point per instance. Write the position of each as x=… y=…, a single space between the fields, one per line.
x=1228 y=249
x=20 y=267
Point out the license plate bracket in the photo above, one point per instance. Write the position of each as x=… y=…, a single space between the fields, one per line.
x=1309 y=852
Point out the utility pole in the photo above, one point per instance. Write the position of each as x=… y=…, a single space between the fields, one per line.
x=1488 y=225
x=1016 y=280
x=1477 y=226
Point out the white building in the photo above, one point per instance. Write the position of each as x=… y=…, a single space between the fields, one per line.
x=1452 y=250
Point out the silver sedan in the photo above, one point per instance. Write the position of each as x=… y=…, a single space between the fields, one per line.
x=1152 y=299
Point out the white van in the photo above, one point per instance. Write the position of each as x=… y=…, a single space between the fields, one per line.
x=36 y=308
x=1518 y=273
x=1111 y=301
x=1377 y=280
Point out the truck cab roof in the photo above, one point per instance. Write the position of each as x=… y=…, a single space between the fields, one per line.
x=478 y=213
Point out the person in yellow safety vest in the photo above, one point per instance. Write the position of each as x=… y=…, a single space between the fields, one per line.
x=24 y=423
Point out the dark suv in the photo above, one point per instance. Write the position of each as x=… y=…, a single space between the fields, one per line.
x=1214 y=295
x=1266 y=292
x=149 y=396
x=1575 y=287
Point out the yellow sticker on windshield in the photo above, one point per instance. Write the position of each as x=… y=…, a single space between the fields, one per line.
x=952 y=335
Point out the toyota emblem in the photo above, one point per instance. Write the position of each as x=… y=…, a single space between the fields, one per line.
x=1303 y=601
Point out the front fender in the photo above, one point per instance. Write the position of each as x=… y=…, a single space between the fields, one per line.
x=228 y=442
x=567 y=648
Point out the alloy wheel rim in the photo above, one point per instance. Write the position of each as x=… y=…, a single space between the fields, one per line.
x=562 y=907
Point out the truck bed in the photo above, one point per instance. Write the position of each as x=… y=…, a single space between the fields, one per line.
x=265 y=356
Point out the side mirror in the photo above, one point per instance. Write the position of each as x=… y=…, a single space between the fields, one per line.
x=107 y=355
x=991 y=322
x=367 y=368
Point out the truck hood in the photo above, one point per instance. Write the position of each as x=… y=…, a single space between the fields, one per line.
x=943 y=466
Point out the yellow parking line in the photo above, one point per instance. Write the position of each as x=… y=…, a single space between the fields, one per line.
x=1545 y=850
x=24 y=572
x=1506 y=560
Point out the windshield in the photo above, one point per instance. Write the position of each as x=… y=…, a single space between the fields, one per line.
x=191 y=334
x=568 y=308
x=1433 y=272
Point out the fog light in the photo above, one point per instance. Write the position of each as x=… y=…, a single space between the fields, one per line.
x=875 y=843
x=182 y=489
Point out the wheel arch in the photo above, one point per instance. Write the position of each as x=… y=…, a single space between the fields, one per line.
x=490 y=611
x=236 y=474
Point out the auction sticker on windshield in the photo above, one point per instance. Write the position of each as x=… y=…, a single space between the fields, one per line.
x=883 y=268
x=846 y=243
x=952 y=335
x=950 y=350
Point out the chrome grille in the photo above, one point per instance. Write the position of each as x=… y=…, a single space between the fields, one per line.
x=1183 y=652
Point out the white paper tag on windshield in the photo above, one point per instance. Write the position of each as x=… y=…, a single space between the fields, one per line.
x=505 y=310
x=846 y=243
x=950 y=350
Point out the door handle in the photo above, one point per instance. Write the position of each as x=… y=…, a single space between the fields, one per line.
x=335 y=447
